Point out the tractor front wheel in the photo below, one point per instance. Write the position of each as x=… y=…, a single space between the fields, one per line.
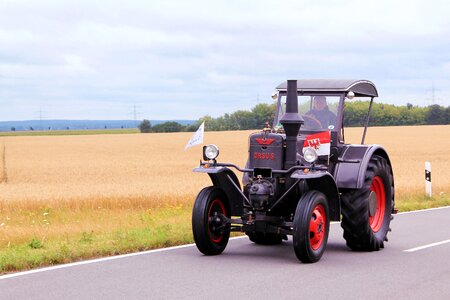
x=311 y=227
x=366 y=212
x=209 y=225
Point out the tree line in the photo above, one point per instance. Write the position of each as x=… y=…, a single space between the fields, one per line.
x=391 y=115
x=355 y=115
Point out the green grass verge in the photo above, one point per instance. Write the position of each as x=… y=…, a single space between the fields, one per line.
x=162 y=228
x=165 y=227
x=70 y=132
x=409 y=203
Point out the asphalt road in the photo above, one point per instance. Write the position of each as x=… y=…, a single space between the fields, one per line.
x=248 y=271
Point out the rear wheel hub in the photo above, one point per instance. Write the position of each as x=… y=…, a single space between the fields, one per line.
x=377 y=204
x=373 y=204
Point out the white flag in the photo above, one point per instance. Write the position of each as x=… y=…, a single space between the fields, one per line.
x=197 y=138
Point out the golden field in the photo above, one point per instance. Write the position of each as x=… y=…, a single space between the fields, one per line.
x=53 y=187
x=154 y=170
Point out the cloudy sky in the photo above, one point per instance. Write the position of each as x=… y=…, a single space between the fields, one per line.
x=184 y=59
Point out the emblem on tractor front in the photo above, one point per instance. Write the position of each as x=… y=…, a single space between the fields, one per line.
x=264 y=141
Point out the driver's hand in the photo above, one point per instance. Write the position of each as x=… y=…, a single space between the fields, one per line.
x=313 y=117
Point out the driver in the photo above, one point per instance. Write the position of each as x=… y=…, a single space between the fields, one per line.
x=321 y=112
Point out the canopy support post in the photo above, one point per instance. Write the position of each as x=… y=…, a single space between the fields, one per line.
x=367 y=121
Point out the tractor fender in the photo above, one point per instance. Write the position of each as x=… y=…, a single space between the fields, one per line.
x=351 y=168
x=224 y=178
x=323 y=182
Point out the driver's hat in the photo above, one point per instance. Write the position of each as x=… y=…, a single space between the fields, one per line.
x=320 y=98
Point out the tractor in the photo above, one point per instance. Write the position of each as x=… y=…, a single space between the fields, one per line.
x=299 y=176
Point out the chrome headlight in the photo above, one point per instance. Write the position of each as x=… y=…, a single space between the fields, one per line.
x=310 y=155
x=210 y=152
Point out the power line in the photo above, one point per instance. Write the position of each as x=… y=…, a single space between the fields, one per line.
x=433 y=90
x=135 y=112
x=40 y=117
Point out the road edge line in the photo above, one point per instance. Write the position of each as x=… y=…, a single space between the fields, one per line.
x=427 y=246
x=421 y=210
x=102 y=259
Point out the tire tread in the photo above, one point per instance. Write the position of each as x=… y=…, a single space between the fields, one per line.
x=354 y=208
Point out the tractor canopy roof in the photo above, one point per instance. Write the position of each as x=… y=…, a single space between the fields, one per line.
x=361 y=88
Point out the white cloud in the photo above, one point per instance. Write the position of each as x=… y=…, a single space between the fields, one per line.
x=179 y=59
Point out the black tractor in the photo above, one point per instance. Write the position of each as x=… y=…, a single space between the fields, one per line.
x=300 y=175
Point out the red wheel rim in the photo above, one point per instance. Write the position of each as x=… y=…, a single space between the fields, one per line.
x=376 y=221
x=317 y=227
x=216 y=206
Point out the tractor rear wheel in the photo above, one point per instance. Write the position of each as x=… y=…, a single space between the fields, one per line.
x=261 y=238
x=366 y=212
x=210 y=228
x=311 y=227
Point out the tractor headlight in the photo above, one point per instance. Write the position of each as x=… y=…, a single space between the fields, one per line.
x=310 y=155
x=210 y=152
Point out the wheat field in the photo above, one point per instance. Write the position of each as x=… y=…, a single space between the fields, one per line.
x=113 y=170
x=53 y=186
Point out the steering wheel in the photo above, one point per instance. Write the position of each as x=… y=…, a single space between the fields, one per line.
x=311 y=122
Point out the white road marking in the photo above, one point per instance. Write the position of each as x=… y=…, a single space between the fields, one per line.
x=427 y=246
x=92 y=261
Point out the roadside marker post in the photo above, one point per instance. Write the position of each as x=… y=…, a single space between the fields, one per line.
x=428 y=179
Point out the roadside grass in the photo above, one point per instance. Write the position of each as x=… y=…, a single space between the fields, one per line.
x=90 y=233
x=419 y=202
x=69 y=132
x=149 y=229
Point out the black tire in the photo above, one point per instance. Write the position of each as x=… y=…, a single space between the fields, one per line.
x=311 y=227
x=366 y=212
x=211 y=233
x=262 y=238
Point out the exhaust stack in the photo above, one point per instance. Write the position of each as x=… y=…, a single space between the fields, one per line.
x=291 y=122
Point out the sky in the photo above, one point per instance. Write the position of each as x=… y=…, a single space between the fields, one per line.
x=186 y=59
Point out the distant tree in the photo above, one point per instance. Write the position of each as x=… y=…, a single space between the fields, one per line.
x=168 y=127
x=13 y=128
x=263 y=113
x=355 y=113
x=211 y=124
x=436 y=115
x=245 y=119
x=193 y=127
x=31 y=128
x=145 y=126
x=383 y=114
x=447 y=115
x=230 y=122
